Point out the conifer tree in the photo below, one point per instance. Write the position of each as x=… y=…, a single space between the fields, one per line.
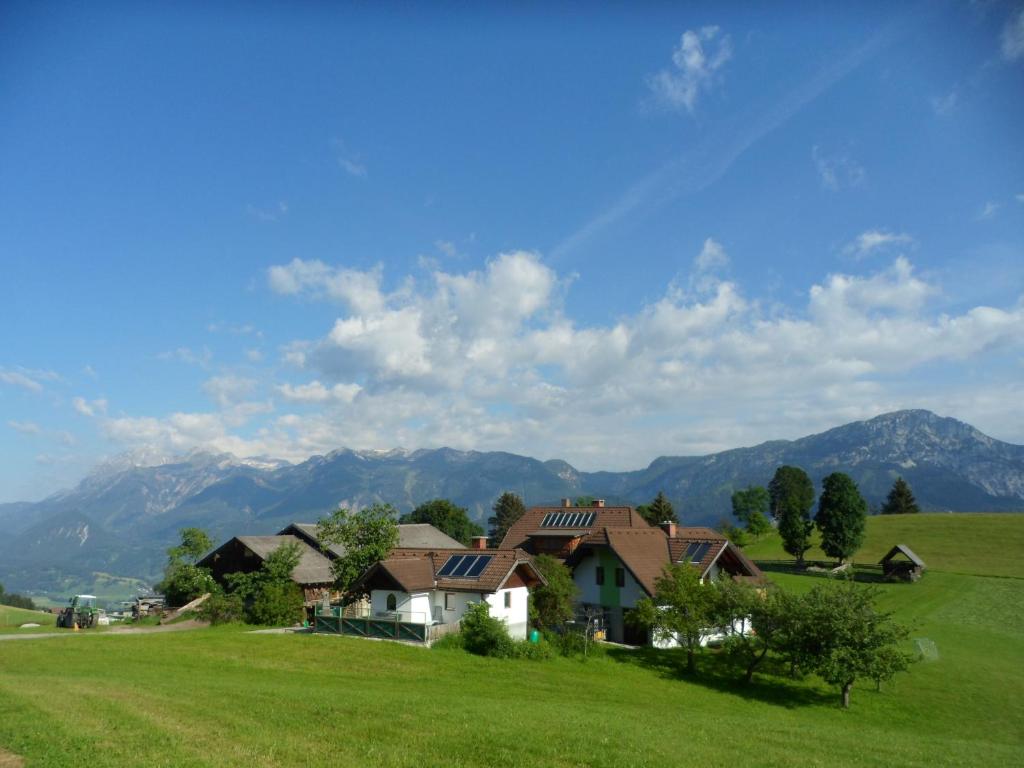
x=791 y=496
x=658 y=511
x=507 y=509
x=901 y=499
x=841 y=515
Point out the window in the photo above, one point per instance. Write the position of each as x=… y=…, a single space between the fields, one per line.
x=508 y=598
x=449 y=601
x=600 y=575
x=392 y=602
x=620 y=577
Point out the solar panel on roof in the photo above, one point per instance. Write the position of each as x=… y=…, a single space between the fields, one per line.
x=461 y=568
x=568 y=519
x=464 y=566
x=699 y=551
x=450 y=564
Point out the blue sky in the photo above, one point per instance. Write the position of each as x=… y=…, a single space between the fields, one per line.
x=601 y=235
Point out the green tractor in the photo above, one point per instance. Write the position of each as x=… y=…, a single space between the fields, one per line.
x=81 y=613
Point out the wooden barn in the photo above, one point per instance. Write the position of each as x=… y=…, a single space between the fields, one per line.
x=247 y=553
x=901 y=564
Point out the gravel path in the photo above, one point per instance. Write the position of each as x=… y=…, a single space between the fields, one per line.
x=114 y=632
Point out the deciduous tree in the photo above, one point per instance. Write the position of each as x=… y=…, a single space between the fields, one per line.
x=553 y=604
x=681 y=609
x=750 y=506
x=842 y=512
x=367 y=537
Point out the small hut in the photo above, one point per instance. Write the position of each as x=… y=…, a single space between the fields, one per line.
x=909 y=567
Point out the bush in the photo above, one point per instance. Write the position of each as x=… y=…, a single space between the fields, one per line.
x=450 y=642
x=220 y=608
x=542 y=651
x=184 y=582
x=278 y=603
x=483 y=634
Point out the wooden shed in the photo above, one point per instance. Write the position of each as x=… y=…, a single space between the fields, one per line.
x=909 y=567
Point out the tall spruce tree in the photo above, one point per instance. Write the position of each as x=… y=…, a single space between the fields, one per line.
x=791 y=496
x=900 y=500
x=841 y=515
x=507 y=509
x=658 y=511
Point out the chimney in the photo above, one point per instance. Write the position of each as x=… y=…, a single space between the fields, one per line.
x=566 y=503
x=669 y=528
x=479 y=542
x=598 y=502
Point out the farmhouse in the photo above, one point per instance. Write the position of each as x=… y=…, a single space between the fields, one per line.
x=422 y=593
x=313 y=573
x=616 y=557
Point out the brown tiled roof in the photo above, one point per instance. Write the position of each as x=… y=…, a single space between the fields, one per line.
x=416 y=569
x=646 y=551
x=605 y=517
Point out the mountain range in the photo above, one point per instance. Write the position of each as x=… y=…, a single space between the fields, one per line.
x=110 y=532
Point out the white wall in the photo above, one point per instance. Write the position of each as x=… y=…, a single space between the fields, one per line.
x=428 y=607
x=516 y=616
x=410 y=607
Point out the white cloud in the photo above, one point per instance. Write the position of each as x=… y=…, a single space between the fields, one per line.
x=875 y=239
x=254 y=355
x=24 y=427
x=360 y=290
x=89 y=408
x=837 y=171
x=490 y=359
x=315 y=392
x=349 y=161
x=27 y=378
x=944 y=105
x=1012 y=38
x=712 y=257
x=200 y=357
x=273 y=213
x=228 y=390
x=695 y=61
x=988 y=211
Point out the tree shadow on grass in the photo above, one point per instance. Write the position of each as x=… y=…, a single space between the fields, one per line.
x=716 y=672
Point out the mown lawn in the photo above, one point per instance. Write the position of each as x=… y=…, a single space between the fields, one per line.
x=224 y=697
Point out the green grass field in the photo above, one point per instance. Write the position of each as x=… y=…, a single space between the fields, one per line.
x=11 y=619
x=224 y=697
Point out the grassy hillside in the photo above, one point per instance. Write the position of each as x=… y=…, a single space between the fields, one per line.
x=967 y=543
x=224 y=697
x=15 y=617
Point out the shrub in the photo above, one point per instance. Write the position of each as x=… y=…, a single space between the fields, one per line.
x=278 y=603
x=184 y=582
x=221 y=608
x=483 y=634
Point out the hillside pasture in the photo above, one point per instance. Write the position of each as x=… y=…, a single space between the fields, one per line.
x=964 y=543
x=12 y=618
x=223 y=696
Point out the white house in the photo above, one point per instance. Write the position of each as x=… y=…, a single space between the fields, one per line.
x=435 y=586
